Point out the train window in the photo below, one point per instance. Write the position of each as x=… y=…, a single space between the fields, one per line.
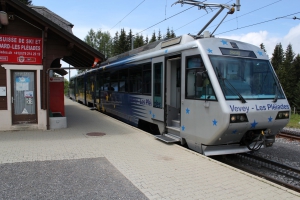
x=197 y=81
x=114 y=81
x=246 y=77
x=106 y=81
x=135 y=79
x=157 y=85
x=147 y=79
x=123 y=80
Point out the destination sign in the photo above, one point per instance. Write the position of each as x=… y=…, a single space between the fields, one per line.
x=238 y=52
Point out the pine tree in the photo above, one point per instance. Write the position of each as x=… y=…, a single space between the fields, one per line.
x=129 y=40
x=159 y=35
x=115 y=45
x=147 y=40
x=290 y=74
x=173 y=35
x=153 y=38
x=168 y=35
x=123 y=45
x=139 y=41
x=289 y=54
x=278 y=57
x=262 y=46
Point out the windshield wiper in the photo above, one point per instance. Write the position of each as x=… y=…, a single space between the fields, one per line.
x=237 y=92
x=276 y=93
x=224 y=79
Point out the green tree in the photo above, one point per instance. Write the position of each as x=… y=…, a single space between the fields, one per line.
x=173 y=35
x=168 y=34
x=26 y=2
x=139 y=41
x=66 y=87
x=278 y=56
x=262 y=46
x=104 y=43
x=159 y=37
x=147 y=40
x=90 y=39
x=123 y=42
x=153 y=38
x=115 y=45
x=290 y=74
x=129 y=39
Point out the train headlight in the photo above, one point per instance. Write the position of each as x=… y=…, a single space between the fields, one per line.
x=238 y=118
x=242 y=118
x=232 y=118
x=283 y=115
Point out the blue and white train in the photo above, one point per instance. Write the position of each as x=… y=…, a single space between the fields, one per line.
x=215 y=95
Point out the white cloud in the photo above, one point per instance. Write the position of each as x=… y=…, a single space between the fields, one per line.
x=256 y=38
x=293 y=38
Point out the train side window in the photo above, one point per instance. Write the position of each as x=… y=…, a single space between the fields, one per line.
x=135 y=79
x=123 y=80
x=106 y=81
x=157 y=85
x=114 y=83
x=147 y=79
x=197 y=81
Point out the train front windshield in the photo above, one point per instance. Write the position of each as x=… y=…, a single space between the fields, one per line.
x=246 y=78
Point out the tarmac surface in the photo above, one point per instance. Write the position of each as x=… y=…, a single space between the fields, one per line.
x=125 y=163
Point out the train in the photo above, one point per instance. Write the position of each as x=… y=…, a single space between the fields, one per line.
x=215 y=95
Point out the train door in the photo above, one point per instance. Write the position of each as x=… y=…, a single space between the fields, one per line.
x=173 y=94
x=157 y=111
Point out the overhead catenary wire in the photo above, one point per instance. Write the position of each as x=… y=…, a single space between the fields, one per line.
x=258 y=23
x=229 y=19
x=165 y=19
x=127 y=15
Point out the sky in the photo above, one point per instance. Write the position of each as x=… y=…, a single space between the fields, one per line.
x=269 y=21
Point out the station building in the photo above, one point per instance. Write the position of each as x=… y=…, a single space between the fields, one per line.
x=33 y=41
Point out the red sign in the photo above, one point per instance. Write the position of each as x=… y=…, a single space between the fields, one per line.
x=21 y=50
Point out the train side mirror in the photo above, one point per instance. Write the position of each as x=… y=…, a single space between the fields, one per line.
x=204 y=75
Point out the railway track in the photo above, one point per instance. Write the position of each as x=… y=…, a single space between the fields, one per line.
x=294 y=135
x=283 y=175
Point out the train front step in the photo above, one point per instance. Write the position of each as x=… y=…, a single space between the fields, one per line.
x=168 y=138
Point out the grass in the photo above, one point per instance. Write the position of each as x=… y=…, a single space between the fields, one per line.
x=294 y=121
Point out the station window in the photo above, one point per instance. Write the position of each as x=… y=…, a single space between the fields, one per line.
x=198 y=85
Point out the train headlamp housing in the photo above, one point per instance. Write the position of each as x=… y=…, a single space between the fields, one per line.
x=283 y=115
x=238 y=118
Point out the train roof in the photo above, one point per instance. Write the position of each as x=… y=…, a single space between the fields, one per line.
x=160 y=44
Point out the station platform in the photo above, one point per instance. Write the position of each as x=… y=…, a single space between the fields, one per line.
x=118 y=162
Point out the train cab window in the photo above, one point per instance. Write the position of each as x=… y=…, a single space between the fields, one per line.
x=198 y=85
